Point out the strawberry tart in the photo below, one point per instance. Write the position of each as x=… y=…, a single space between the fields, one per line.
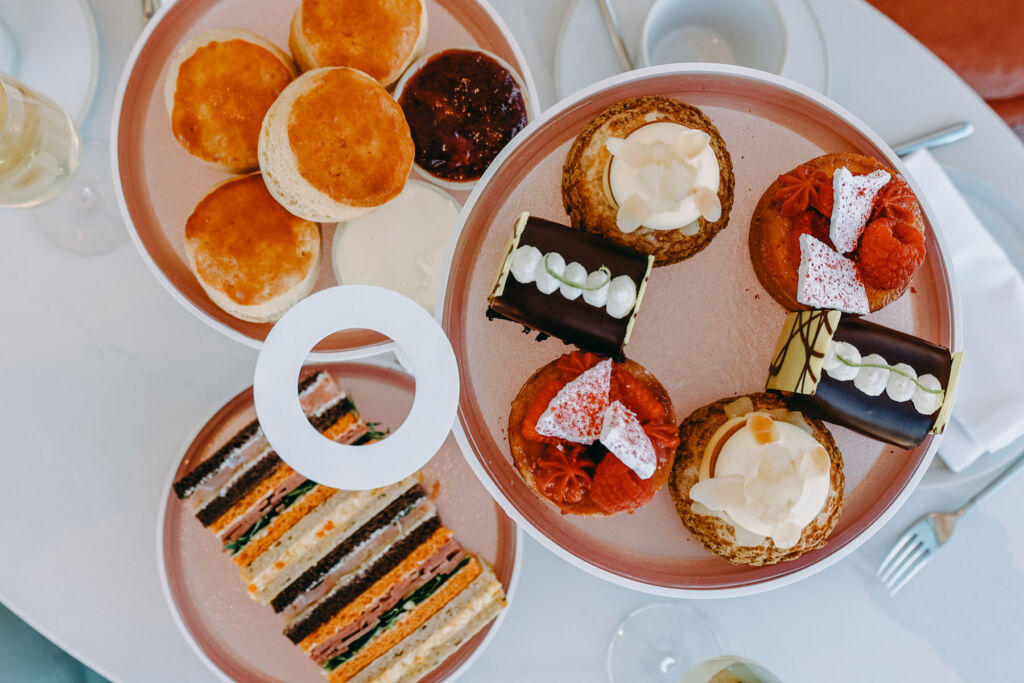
x=593 y=435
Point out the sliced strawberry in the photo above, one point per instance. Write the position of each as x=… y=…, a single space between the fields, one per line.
x=576 y=413
x=562 y=475
x=617 y=488
x=635 y=395
x=537 y=408
x=807 y=223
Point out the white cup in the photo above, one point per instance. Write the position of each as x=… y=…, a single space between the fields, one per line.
x=741 y=32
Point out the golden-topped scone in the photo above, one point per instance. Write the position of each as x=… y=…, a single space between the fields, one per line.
x=652 y=174
x=593 y=436
x=841 y=231
x=379 y=38
x=217 y=90
x=335 y=146
x=253 y=258
x=755 y=482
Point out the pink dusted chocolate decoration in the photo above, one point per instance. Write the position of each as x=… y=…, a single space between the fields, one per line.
x=577 y=410
x=853 y=199
x=829 y=280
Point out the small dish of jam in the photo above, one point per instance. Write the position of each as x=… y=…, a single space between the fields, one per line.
x=463 y=107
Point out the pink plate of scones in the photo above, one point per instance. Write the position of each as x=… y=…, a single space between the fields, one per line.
x=249 y=133
x=640 y=391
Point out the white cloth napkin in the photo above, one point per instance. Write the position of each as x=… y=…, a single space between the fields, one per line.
x=989 y=409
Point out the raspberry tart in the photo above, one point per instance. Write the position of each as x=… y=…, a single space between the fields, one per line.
x=593 y=436
x=842 y=231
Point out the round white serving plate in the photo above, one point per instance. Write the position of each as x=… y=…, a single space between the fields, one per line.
x=770 y=124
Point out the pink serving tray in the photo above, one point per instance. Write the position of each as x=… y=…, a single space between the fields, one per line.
x=707 y=329
x=160 y=183
x=241 y=640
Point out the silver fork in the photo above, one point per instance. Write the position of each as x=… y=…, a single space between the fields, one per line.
x=918 y=546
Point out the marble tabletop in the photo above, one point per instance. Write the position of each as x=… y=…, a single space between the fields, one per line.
x=104 y=375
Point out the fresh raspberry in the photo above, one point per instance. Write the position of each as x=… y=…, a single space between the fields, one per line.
x=803 y=188
x=563 y=475
x=896 y=200
x=890 y=252
x=807 y=223
x=617 y=488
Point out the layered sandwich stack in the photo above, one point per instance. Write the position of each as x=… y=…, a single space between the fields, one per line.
x=369 y=584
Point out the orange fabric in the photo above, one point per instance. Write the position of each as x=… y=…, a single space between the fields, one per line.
x=979 y=39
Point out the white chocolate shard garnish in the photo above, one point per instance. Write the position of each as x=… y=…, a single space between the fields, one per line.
x=852 y=199
x=719 y=493
x=633 y=153
x=596 y=297
x=549 y=269
x=873 y=375
x=827 y=279
x=690 y=143
x=786 y=534
x=632 y=213
x=901 y=386
x=576 y=273
x=524 y=264
x=624 y=436
x=690 y=229
x=621 y=296
x=708 y=203
x=576 y=413
x=835 y=353
x=929 y=398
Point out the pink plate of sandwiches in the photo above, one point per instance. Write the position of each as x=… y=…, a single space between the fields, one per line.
x=256 y=143
x=272 y=577
x=706 y=331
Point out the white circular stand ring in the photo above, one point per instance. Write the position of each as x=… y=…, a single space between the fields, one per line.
x=374 y=465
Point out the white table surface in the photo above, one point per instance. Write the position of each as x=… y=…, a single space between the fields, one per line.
x=104 y=376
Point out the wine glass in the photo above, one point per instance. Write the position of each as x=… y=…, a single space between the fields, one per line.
x=671 y=642
x=44 y=164
x=660 y=642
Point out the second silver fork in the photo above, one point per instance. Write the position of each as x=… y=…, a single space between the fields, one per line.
x=917 y=547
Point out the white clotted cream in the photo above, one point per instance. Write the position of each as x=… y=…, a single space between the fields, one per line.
x=401 y=245
x=660 y=167
x=767 y=489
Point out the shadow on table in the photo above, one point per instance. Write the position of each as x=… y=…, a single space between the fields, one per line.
x=28 y=657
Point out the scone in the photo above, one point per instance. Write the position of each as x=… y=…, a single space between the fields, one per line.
x=755 y=482
x=334 y=146
x=652 y=174
x=379 y=38
x=879 y=227
x=593 y=436
x=253 y=258
x=217 y=90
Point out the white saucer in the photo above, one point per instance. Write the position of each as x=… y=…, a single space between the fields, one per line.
x=585 y=55
x=1005 y=222
x=57 y=49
